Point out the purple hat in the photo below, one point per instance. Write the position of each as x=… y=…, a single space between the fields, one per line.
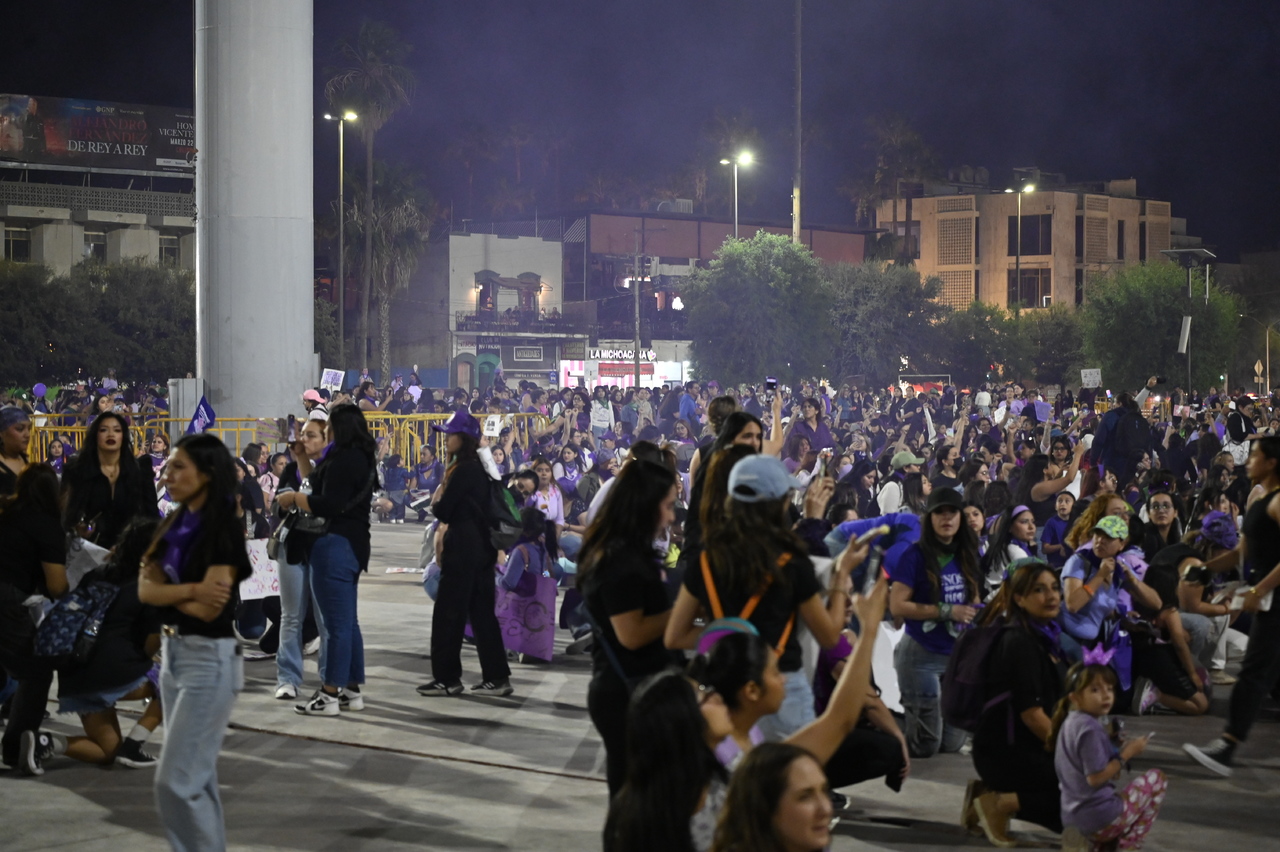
x=1219 y=530
x=459 y=423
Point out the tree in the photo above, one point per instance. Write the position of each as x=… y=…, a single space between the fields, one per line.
x=759 y=309
x=900 y=154
x=1132 y=318
x=325 y=326
x=372 y=81
x=473 y=147
x=1053 y=337
x=974 y=343
x=881 y=315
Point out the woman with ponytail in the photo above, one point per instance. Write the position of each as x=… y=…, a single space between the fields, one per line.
x=1024 y=684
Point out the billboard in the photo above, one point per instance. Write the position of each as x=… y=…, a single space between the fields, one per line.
x=98 y=135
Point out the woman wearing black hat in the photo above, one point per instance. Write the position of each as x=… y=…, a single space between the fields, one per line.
x=467 y=560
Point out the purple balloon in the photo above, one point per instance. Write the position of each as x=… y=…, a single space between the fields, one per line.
x=39 y=390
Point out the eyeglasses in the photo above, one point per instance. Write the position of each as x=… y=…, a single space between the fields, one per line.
x=1161 y=507
x=705 y=692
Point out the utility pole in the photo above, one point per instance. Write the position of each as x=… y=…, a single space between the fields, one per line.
x=799 y=173
x=635 y=292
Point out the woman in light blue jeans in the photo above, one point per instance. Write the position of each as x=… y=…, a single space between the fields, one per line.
x=189 y=572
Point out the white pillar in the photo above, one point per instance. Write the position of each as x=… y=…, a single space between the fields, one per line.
x=254 y=255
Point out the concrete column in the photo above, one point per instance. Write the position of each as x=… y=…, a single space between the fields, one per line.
x=187 y=251
x=137 y=241
x=57 y=245
x=254 y=210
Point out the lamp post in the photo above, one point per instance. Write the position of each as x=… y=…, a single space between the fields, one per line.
x=743 y=159
x=1266 y=331
x=346 y=116
x=1017 y=263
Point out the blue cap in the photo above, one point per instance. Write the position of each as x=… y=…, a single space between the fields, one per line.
x=756 y=479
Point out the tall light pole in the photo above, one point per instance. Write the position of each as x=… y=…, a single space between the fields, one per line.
x=743 y=159
x=1017 y=263
x=1266 y=330
x=342 y=245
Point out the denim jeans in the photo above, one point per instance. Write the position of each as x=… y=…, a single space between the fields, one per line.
x=1202 y=636
x=920 y=681
x=796 y=710
x=335 y=575
x=295 y=589
x=198 y=685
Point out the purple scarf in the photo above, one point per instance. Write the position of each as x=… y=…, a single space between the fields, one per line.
x=179 y=538
x=1052 y=634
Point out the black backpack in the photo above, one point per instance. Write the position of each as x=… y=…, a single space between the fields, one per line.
x=964 y=683
x=504 y=517
x=1133 y=435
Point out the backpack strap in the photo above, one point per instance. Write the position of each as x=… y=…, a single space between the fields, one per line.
x=712 y=595
x=718 y=610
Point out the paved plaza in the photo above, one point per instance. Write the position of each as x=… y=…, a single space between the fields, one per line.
x=525 y=772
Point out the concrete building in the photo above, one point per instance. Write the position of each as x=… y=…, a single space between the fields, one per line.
x=969 y=236
x=60 y=225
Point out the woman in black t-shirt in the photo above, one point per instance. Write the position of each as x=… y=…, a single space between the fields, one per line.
x=34 y=563
x=1027 y=666
x=191 y=571
x=106 y=486
x=620 y=575
x=15 y=434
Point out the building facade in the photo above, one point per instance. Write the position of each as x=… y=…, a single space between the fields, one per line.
x=972 y=239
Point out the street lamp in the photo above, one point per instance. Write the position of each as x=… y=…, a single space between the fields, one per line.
x=1017 y=263
x=743 y=159
x=1266 y=330
x=346 y=116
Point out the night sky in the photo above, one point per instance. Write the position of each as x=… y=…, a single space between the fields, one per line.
x=1182 y=95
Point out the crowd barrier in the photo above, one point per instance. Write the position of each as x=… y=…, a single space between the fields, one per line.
x=405 y=434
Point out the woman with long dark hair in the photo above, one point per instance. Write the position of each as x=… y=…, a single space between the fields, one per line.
x=936 y=591
x=191 y=571
x=467 y=560
x=1026 y=670
x=777 y=802
x=1013 y=537
x=620 y=576
x=342 y=485
x=1039 y=486
x=15 y=434
x=106 y=486
x=35 y=555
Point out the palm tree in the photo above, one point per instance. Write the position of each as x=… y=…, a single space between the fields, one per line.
x=473 y=147
x=517 y=138
x=373 y=82
x=900 y=155
x=554 y=142
x=389 y=237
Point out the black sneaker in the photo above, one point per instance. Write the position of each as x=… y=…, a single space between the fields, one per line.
x=37 y=747
x=438 y=688
x=130 y=754
x=839 y=801
x=1217 y=756
x=493 y=687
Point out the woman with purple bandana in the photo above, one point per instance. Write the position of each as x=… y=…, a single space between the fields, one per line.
x=190 y=571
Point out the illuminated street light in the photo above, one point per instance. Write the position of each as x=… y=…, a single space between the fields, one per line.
x=347 y=115
x=743 y=159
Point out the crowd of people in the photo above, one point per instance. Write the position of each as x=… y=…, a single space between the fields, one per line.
x=729 y=556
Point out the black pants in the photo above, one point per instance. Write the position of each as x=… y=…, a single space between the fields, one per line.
x=466 y=593
x=607 y=700
x=1259 y=673
x=1031 y=775
x=865 y=754
x=34 y=677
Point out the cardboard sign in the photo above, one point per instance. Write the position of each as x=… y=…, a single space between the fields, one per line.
x=265 y=580
x=1044 y=411
x=331 y=380
x=1091 y=378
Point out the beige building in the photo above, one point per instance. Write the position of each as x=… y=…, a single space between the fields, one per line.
x=969 y=237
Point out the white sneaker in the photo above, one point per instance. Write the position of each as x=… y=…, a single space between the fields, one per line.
x=286 y=692
x=311 y=648
x=320 y=704
x=350 y=700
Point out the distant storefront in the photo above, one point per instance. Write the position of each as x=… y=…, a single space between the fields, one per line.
x=612 y=363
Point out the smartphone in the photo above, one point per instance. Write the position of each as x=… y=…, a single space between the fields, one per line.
x=770 y=383
x=293 y=428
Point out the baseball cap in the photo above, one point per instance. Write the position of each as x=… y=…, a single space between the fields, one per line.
x=756 y=479
x=311 y=395
x=1112 y=526
x=459 y=423
x=943 y=498
x=903 y=458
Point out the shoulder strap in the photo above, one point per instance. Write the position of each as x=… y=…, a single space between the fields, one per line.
x=718 y=611
x=713 y=596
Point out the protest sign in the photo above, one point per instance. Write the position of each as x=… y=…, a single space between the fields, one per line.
x=265 y=580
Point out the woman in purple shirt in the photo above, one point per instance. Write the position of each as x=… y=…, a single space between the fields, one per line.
x=813 y=427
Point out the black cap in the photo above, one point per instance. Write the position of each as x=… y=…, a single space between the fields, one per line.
x=943 y=497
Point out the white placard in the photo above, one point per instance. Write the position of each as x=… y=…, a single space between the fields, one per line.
x=1091 y=378
x=265 y=581
x=331 y=380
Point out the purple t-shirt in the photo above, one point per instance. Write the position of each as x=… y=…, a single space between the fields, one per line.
x=909 y=569
x=1084 y=749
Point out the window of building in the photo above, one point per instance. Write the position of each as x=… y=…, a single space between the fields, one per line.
x=17 y=244
x=977 y=285
x=1079 y=286
x=1079 y=239
x=95 y=245
x=1037 y=235
x=1142 y=241
x=1119 y=239
x=913 y=240
x=977 y=237
x=1035 y=290
x=170 y=251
